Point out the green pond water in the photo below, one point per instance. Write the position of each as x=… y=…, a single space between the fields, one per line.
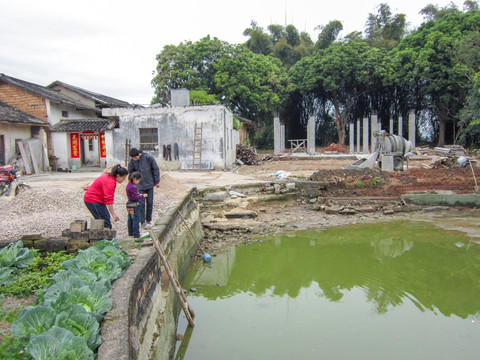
x=407 y=290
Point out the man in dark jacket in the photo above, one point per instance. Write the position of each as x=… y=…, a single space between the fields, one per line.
x=147 y=166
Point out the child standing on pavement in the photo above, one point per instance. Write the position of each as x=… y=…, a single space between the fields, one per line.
x=132 y=204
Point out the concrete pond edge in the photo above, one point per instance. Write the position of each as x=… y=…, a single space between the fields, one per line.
x=144 y=310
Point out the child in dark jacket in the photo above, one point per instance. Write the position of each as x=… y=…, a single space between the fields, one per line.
x=132 y=204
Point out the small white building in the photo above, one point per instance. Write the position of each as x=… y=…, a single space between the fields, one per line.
x=175 y=136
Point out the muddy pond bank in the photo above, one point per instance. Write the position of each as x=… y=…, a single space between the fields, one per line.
x=231 y=216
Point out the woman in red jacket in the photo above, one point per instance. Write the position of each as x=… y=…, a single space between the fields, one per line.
x=100 y=194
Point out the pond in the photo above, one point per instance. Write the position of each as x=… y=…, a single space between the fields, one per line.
x=397 y=290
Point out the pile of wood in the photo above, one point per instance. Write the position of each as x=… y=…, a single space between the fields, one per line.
x=246 y=155
x=441 y=162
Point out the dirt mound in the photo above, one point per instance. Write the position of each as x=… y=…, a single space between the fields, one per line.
x=171 y=187
x=336 y=148
x=370 y=182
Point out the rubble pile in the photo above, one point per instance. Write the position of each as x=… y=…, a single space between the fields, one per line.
x=50 y=211
x=336 y=148
x=442 y=162
x=246 y=155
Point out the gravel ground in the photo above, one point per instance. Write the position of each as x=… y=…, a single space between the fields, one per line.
x=49 y=211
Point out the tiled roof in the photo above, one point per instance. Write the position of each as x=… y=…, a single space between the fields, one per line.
x=13 y=115
x=44 y=92
x=245 y=121
x=100 y=100
x=84 y=125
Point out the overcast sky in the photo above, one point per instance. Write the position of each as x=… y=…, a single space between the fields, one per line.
x=109 y=47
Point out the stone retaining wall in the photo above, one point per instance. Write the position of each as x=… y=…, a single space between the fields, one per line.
x=142 y=322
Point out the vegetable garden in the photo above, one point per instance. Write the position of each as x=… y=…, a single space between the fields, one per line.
x=72 y=295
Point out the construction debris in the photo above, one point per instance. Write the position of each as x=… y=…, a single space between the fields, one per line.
x=335 y=148
x=246 y=154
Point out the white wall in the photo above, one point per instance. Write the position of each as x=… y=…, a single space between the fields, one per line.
x=61 y=144
x=54 y=112
x=11 y=133
x=91 y=157
x=176 y=125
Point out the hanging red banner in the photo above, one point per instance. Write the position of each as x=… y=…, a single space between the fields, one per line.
x=103 y=147
x=74 y=145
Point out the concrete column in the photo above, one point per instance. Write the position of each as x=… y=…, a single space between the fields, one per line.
x=311 y=135
x=351 y=133
x=282 y=138
x=400 y=126
x=412 y=128
x=391 y=126
x=374 y=126
x=366 y=135
x=358 y=136
x=276 y=136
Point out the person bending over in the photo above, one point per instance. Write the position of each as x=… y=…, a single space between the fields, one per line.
x=100 y=195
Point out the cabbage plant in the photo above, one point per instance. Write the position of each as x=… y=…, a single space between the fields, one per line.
x=11 y=257
x=66 y=322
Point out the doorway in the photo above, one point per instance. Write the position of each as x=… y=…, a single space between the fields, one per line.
x=2 y=150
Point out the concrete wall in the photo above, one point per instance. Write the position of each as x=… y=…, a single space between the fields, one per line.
x=145 y=308
x=176 y=125
x=11 y=133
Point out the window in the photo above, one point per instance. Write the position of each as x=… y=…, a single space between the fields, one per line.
x=148 y=139
x=90 y=144
x=64 y=114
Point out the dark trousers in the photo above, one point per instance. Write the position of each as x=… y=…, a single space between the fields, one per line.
x=133 y=210
x=100 y=211
x=146 y=205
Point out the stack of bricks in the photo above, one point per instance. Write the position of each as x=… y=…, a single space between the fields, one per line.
x=78 y=237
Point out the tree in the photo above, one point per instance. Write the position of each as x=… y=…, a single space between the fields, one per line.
x=384 y=30
x=252 y=85
x=426 y=63
x=259 y=42
x=340 y=75
x=433 y=12
x=187 y=65
x=328 y=34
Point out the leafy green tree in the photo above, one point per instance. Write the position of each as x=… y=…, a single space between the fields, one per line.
x=328 y=34
x=383 y=29
x=433 y=12
x=201 y=97
x=427 y=64
x=277 y=32
x=252 y=85
x=469 y=5
x=469 y=124
x=339 y=76
x=467 y=55
x=259 y=42
x=284 y=43
x=187 y=65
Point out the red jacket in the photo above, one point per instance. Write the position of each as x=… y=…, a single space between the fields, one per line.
x=102 y=190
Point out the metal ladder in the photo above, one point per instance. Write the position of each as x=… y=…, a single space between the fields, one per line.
x=197 y=147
